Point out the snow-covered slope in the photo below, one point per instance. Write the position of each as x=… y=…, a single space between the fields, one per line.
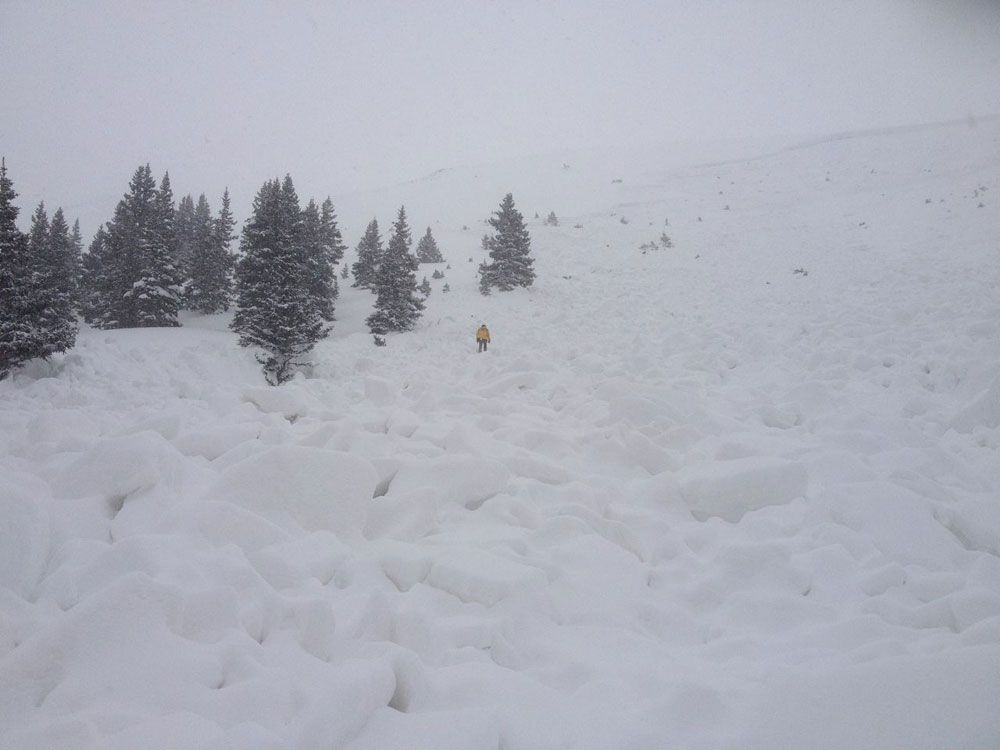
x=690 y=498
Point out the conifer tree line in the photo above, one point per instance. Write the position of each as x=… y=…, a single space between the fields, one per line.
x=39 y=273
x=155 y=258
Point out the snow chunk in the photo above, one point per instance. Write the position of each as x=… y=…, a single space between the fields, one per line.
x=288 y=400
x=119 y=467
x=214 y=442
x=919 y=703
x=458 y=480
x=24 y=536
x=315 y=488
x=900 y=523
x=729 y=489
x=984 y=410
x=470 y=729
x=478 y=576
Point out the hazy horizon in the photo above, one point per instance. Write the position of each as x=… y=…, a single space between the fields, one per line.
x=347 y=97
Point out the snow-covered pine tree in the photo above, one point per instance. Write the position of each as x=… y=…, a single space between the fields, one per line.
x=369 y=257
x=49 y=310
x=510 y=251
x=427 y=249
x=185 y=239
x=397 y=306
x=209 y=288
x=425 y=287
x=345 y=272
x=97 y=279
x=274 y=308
x=76 y=262
x=221 y=285
x=446 y=288
x=332 y=238
x=437 y=274
x=142 y=282
x=320 y=276
x=16 y=335
x=60 y=270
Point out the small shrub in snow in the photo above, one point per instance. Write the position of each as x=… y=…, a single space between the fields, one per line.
x=623 y=220
x=551 y=220
x=446 y=288
x=437 y=274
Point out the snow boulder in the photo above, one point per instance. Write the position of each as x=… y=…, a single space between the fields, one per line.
x=119 y=467
x=24 y=535
x=475 y=575
x=289 y=400
x=984 y=410
x=313 y=488
x=215 y=441
x=455 y=480
x=729 y=489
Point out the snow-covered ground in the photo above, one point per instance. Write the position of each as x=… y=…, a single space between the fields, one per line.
x=690 y=498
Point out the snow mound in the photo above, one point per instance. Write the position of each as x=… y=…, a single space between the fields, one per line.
x=983 y=411
x=24 y=534
x=312 y=487
x=478 y=576
x=730 y=489
x=958 y=694
x=453 y=479
x=119 y=467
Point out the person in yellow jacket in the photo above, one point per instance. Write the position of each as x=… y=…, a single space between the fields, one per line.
x=483 y=337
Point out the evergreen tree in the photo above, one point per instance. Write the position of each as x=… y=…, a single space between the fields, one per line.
x=59 y=279
x=425 y=287
x=315 y=243
x=427 y=249
x=397 y=306
x=369 y=257
x=17 y=339
x=510 y=251
x=345 y=272
x=76 y=262
x=97 y=282
x=45 y=322
x=274 y=308
x=332 y=238
x=210 y=286
x=185 y=234
x=142 y=283
x=446 y=288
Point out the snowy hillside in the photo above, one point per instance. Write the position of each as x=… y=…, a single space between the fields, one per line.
x=743 y=492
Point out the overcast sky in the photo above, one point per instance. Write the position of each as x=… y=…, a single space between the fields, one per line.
x=348 y=95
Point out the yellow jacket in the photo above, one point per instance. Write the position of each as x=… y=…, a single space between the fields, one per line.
x=483 y=334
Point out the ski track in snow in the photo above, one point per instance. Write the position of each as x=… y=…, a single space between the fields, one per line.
x=688 y=499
